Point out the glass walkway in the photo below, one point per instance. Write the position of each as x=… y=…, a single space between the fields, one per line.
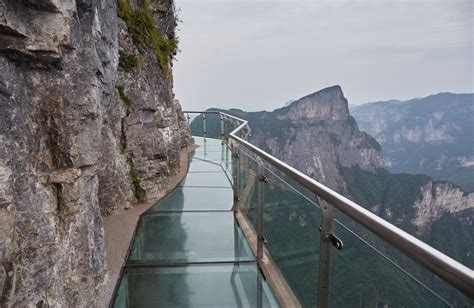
x=244 y=229
x=189 y=250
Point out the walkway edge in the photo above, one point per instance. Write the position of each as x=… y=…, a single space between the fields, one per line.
x=120 y=227
x=277 y=283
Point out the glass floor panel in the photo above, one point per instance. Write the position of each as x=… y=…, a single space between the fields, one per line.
x=194 y=286
x=189 y=237
x=188 y=249
x=227 y=166
x=209 y=141
x=210 y=179
x=195 y=199
x=211 y=156
x=211 y=147
x=197 y=165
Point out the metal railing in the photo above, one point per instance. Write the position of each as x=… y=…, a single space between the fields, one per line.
x=451 y=271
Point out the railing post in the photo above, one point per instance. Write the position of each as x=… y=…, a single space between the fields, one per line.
x=235 y=174
x=325 y=259
x=204 y=131
x=222 y=127
x=262 y=179
x=223 y=148
x=187 y=114
x=226 y=157
x=259 y=291
x=248 y=133
x=227 y=130
x=235 y=123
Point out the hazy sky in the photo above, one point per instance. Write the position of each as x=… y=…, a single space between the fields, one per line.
x=256 y=55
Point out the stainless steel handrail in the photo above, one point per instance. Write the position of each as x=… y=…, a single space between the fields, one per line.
x=450 y=270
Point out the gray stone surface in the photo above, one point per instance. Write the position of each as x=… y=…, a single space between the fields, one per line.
x=64 y=162
x=439 y=198
x=321 y=135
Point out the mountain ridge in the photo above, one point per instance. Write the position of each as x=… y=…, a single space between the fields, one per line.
x=395 y=101
x=331 y=149
x=430 y=135
x=286 y=133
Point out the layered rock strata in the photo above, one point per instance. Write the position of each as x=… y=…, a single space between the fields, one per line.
x=71 y=150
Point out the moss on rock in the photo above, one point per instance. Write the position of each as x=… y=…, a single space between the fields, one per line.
x=125 y=98
x=145 y=34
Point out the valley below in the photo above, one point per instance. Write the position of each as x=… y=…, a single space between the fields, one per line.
x=318 y=136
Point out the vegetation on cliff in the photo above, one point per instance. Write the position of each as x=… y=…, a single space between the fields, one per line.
x=145 y=34
x=127 y=62
x=392 y=194
x=123 y=95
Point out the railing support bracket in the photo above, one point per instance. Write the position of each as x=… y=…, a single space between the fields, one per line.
x=325 y=258
x=333 y=239
x=235 y=175
x=260 y=208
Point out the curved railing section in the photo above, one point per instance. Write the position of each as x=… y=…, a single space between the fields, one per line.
x=235 y=132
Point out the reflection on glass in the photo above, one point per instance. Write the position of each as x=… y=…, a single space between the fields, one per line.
x=194 y=224
x=291 y=228
x=206 y=179
x=291 y=223
x=442 y=293
x=362 y=277
x=195 y=199
x=197 y=165
x=194 y=286
x=189 y=237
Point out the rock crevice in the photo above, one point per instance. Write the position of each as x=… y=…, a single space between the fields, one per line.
x=69 y=153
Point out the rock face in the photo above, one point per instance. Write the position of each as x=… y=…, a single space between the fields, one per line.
x=145 y=128
x=440 y=198
x=430 y=135
x=321 y=135
x=70 y=149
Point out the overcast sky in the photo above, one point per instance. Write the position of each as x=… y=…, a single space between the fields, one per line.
x=256 y=55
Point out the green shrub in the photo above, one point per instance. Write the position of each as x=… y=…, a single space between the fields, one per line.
x=127 y=62
x=138 y=191
x=144 y=32
x=134 y=177
x=121 y=90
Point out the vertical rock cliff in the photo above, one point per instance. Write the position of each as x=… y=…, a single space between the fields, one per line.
x=321 y=136
x=80 y=136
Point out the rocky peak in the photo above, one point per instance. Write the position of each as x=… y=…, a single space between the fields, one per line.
x=328 y=104
x=316 y=135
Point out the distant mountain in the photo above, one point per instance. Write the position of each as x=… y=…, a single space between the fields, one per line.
x=433 y=135
x=317 y=135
